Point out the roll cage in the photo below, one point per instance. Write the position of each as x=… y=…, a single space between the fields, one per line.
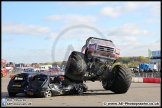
x=87 y=41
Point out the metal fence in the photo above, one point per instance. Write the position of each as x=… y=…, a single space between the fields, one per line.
x=147 y=74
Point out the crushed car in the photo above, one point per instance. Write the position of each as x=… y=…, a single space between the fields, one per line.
x=18 y=83
x=48 y=85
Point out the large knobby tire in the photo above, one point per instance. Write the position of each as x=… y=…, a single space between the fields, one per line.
x=105 y=80
x=119 y=79
x=76 y=66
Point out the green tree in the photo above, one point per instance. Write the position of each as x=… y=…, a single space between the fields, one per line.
x=48 y=63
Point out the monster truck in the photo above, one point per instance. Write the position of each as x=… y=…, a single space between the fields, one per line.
x=95 y=62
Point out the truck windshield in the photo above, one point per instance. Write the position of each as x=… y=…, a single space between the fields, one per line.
x=101 y=42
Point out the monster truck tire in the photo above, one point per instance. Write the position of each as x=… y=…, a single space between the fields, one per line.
x=119 y=79
x=76 y=66
x=105 y=80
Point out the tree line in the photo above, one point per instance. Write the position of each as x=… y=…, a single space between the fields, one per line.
x=132 y=61
x=128 y=61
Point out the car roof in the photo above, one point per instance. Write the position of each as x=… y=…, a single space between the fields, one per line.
x=49 y=74
x=30 y=72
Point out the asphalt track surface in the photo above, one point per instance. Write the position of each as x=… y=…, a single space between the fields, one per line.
x=138 y=93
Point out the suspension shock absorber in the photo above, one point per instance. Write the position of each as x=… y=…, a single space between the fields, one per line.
x=102 y=68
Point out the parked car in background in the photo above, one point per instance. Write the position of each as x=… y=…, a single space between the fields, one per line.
x=54 y=70
x=36 y=69
x=30 y=70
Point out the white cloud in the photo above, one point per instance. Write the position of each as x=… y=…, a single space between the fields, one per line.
x=155 y=10
x=138 y=14
x=36 y=56
x=79 y=32
x=8 y=40
x=151 y=21
x=53 y=35
x=74 y=22
x=111 y=12
x=12 y=28
x=144 y=47
x=127 y=7
x=61 y=52
x=44 y=55
x=133 y=46
x=87 y=3
x=129 y=46
x=90 y=3
x=129 y=30
x=72 y=19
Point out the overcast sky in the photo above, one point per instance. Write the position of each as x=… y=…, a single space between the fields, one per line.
x=29 y=29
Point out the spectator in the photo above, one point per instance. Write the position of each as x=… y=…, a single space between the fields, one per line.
x=149 y=70
x=145 y=70
x=141 y=70
x=136 y=70
x=154 y=70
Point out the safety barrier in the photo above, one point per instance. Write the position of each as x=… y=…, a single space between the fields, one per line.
x=148 y=75
x=146 y=80
x=154 y=77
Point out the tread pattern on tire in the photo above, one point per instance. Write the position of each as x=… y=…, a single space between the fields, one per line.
x=122 y=79
x=76 y=67
x=105 y=78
